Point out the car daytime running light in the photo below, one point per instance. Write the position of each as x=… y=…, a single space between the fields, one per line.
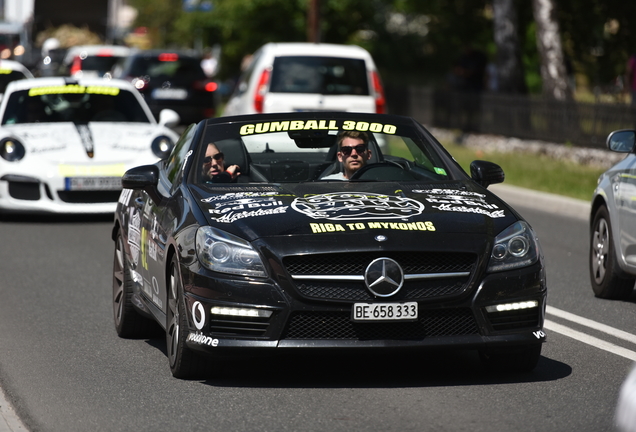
x=162 y=146
x=226 y=253
x=242 y=312
x=513 y=306
x=11 y=150
x=515 y=247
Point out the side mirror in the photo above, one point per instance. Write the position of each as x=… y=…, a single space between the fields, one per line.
x=486 y=173
x=169 y=118
x=144 y=177
x=621 y=141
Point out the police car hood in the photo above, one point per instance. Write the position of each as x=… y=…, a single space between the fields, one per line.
x=72 y=143
x=354 y=207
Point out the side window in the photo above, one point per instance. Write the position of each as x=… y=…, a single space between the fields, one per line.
x=244 y=80
x=174 y=164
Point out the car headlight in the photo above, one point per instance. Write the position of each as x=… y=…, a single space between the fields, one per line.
x=515 y=247
x=162 y=146
x=225 y=253
x=11 y=149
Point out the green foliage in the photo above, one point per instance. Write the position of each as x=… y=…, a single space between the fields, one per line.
x=599 y=36
x=412 y=41
x=536 y=172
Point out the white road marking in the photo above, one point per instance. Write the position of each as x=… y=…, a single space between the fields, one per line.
x=620 y=334
x=590 y=340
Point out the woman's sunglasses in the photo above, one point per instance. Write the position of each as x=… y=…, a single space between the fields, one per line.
x=346 y=150
x=208 y=159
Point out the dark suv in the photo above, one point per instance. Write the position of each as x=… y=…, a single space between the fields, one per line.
x=171 y=79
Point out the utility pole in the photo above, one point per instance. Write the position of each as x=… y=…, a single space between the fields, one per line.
x=313 y=21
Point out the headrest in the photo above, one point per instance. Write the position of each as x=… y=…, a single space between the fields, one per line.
x=235 y=153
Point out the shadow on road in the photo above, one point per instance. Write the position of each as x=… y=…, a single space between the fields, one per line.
x=368 y=370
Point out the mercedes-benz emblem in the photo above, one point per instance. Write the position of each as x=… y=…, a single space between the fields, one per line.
x=384 y=277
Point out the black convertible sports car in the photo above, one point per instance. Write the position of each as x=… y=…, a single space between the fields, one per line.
x=408 y=253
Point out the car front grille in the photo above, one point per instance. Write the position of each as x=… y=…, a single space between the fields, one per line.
x=338 y=325
x=514 y=319
x=238 y=326
x=357 y=291
x=24 y=190
x=334 y=266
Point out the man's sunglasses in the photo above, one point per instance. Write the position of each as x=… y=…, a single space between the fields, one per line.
x=217 y=157
x=346 y=150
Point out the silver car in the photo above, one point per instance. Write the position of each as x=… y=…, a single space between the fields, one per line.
x=613 y=223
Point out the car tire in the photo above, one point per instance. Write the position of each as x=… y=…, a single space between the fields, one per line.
x=184 y=362
x=608 y=280
x=513 y=359
x=128 y=322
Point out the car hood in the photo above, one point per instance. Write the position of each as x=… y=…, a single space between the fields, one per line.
x=353 y=208
x=71 y=143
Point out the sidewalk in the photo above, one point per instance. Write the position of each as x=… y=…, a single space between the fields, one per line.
x=9 y=420
x=551 y=203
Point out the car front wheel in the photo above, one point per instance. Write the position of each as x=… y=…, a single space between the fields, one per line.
x=608 y=281
x=184 y=363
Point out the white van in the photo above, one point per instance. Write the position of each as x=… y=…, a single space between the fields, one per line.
x=285 y=77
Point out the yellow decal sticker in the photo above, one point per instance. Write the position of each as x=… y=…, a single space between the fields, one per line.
x=74 y=89
x=116 y=170
x=5 y=71
x=144 y=239
x=402 y=226
x=294 y=125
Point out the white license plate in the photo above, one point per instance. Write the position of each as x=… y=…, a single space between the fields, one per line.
x=170 y=94
x=92 y=183
x=384 y=311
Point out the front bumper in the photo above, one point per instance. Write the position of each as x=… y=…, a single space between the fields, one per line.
x=29 y=194
x=462 y=322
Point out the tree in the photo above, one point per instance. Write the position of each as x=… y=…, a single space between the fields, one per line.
x=510 y=76
x=158 y=16
x=553 y=72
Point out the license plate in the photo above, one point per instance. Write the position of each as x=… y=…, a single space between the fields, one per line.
x=384 y=311
x=92 y=183
x=170 y=94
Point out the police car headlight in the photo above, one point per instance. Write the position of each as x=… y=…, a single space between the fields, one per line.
x=162 y=146
x=515 y=247
x=11 y=149
x=225 y=253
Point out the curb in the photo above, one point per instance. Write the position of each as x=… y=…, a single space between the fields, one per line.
x=548 y=202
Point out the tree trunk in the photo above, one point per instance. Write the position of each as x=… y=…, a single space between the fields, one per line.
x=553 y=72
x=510 y=77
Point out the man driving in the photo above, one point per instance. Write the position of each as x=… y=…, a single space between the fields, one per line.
x=353 y=154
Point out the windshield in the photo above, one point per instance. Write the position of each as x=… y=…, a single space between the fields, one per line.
x=73 y=103
x=322 y=75
x=100 y=64
x=298 y=151
x=6 y=76
x=168 y=66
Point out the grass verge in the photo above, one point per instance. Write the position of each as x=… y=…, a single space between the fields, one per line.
x=533 y=171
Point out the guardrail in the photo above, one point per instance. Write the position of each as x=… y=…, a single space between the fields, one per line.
x=525 y=117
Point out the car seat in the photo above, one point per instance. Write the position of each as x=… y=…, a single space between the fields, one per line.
x=235 y=153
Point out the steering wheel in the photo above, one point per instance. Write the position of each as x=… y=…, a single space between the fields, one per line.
x=385 y=164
